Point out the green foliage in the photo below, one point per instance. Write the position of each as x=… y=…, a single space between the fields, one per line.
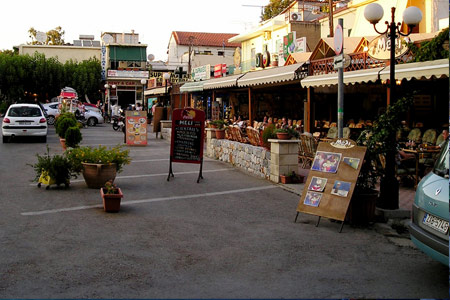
x=437 y=48
x=63 y=122
x=220 y=124
x=73 y=136
x=379 y=140
x=98 y=155
x=57 y=167
x=53 y=36
x=291 y=131
x=110 y=188
x=274 y=8
x=268 y=133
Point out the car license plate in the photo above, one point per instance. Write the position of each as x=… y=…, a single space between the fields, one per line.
x=435 y=223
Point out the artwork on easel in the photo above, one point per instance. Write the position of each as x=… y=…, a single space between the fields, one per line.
x=317 y=184
x=352 y=162
x=326 y=162
x=341 y=188
x=312 y=199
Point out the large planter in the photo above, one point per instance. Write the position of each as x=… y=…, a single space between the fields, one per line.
x=96 y=175
x=111 y=202
x=220 y=134
x=361 y=210
x=63 y=143
x=285 y=179
x=283 y=136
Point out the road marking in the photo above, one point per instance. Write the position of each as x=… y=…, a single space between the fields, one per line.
x=58 y=210
x=158 y=174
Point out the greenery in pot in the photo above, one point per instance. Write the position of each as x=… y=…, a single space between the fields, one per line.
x=290 y=131
x=110 y=188
x=64 y=122
x=379 y=142
x=73 y=136
x=98 y=155
x=58 y=167
x=220 y=124
x=268 y=133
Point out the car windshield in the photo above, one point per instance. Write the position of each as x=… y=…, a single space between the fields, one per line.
x=442 y=163
x=24 y=111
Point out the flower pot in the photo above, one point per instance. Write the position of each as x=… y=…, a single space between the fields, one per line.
x=283 y=136
x=63 y=143
x=220 y=134
x=361 y=210
x=285 y=179
x=96 y=175
x=111 y=202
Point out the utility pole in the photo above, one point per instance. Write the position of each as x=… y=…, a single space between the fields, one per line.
x=330 y=17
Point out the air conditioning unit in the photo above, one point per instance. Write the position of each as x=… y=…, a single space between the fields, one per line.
x=296 y=16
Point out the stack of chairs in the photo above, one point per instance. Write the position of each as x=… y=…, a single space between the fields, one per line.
x=253 y=136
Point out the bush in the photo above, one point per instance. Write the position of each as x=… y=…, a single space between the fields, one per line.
x=99 y=155
x=63 y=122
x=73 y=136
x=268 y=133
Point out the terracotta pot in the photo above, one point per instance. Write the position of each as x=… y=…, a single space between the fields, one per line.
x=96 y=175
x=362 y=207
x=220 y=134
x=285 y=179
x=63 y=143
x=283 y=136
x=111 y=202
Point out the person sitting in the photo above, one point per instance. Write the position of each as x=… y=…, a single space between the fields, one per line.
x=445 y=135
x=289 y=123
x=284 y=123
x=263 y=124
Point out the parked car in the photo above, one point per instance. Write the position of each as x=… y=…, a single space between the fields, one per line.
x=24 y=120
x=93 y=117
x=430 y=213
x=52 y=111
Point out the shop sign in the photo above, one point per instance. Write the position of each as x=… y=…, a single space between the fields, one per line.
x=237 y=57
x=380 y=47
x=220 y=70
x=201 y=73
x=174 y=78
x=266 y=59
x=301 y=44
x=128 y=74
x=123 y=83
x=289 y=44
x=103 y=62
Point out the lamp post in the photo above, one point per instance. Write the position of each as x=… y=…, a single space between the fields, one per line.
x=411 y=17
x=108 y=105
x=166 y=79
x=143 y=82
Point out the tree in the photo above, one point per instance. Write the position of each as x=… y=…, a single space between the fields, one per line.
x=274 y=8
x=53 y=37
x=437 y=48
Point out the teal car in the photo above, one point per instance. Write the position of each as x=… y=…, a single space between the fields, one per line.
x=430 y=211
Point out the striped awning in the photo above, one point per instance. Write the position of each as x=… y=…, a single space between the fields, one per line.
x=418 y=70
x=195 y=86
x=222 y=82
x=155 y=91
x=269 y=76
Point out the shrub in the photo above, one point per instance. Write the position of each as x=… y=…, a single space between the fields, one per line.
x=98 y=155
x=63 y=122
x=73 y=136
x=268 y=133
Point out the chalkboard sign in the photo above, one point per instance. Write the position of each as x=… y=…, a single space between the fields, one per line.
x=188 y=127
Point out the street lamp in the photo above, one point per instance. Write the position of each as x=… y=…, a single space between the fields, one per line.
x=411 y=17
x=143 y=82
x=166 y=79
x=107 y=99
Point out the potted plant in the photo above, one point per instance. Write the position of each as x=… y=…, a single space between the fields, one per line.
x=55 y=169
x=73 y=136
x=111 y=196
x=268 y=133
x=291 y=177
x=65 y=121
x=220 y=128
x=99 y=164
x=282 y=134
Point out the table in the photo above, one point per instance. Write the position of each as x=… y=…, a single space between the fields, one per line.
x=417 y=153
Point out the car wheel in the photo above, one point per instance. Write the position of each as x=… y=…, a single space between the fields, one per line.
x=91 y=121
x=5 y=139
x=50 y=120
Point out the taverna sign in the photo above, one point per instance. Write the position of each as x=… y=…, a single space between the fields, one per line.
x=380 y=47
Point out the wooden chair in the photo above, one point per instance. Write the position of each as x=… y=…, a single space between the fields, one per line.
x=309 y=149
x=253 y=136
x=429 y=137
x=238 y=135
x=415 y=135
x=346 y=132
x=332 y=133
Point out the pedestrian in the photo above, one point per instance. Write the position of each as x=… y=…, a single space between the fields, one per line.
x=138 y=106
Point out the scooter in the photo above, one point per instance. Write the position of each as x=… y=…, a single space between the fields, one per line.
x=118 y=122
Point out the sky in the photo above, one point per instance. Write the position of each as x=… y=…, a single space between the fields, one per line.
x=152 y=20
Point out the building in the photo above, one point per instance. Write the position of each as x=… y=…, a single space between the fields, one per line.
x=194 y=49
x=82 y=49
x=124 y=68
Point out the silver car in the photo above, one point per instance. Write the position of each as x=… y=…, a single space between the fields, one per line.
x=93 y=117
x=52 y=111
x=24 y=120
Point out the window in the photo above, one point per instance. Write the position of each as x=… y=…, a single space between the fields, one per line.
x=221 y=53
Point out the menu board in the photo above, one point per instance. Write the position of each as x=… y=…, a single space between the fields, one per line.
x=188 y=126
x=332 y=179
x=136 y=128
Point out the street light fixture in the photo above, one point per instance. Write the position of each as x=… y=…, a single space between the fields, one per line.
x=389 y=193
x=143 y=82
x=108 y=105
x=166 y=77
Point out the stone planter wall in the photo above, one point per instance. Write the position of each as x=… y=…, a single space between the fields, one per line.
x=283 y=158
x=166 y=129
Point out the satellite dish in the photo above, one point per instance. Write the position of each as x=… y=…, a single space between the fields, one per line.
x=41 y=37
x=107 y=39
x=151 y=57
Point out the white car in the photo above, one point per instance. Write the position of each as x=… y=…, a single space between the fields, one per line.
x=52 y=111
x=93 y=117
x=24 y=120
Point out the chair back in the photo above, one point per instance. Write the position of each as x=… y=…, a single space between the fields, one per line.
x=346 y=133
x=429 y=136
x=253 y=136
x=415 y=135
x=440 y=139
x=308 y=144
x=332 y=133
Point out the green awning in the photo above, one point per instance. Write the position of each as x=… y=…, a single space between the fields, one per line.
x=194 y=86
x=120 y=53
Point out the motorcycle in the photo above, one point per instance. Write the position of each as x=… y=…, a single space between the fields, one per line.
x=118 y=122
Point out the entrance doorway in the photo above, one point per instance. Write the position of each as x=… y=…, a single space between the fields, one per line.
x=126 y=98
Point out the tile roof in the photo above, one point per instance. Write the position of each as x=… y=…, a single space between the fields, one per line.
x=205 y=39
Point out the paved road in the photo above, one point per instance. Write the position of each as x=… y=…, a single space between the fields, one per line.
x=232 y=235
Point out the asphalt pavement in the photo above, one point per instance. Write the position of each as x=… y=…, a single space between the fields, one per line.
x=230 y=236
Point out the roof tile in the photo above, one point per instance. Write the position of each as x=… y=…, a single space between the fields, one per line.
x=205 y=39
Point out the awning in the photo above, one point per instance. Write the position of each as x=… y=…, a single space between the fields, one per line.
x=273 y=75
x=155 y=91
x=195 y=86
x=222 y=82
x=418 y=70
x=123 y=53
